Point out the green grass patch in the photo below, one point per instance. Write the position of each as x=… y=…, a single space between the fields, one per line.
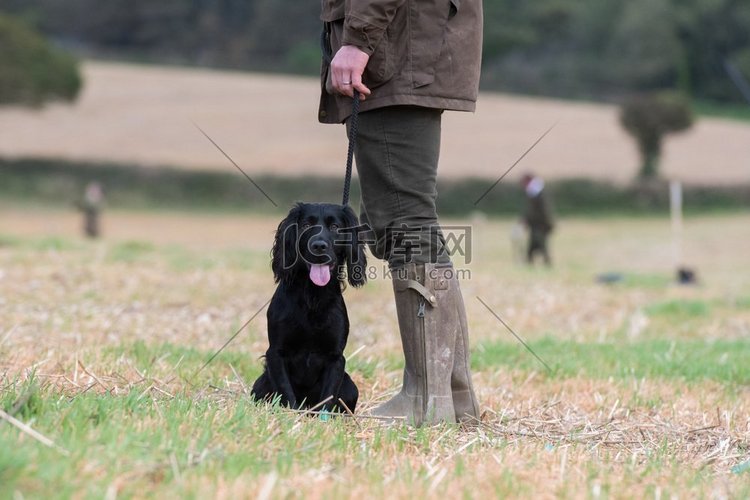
x=130 y=251
x=109 y=435
x=9 y=241
x=204 y=438
x=679 y=309
x=186 y=362
x=742 y=303
x=721 y=361
x=247 y=259
x=655 y=281
x=167 y=443
x=43 y=244
x=54 y=244
x=180 y=259
x=633 y=280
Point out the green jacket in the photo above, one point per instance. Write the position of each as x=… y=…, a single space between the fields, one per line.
x=538 y=215
x=422 y=52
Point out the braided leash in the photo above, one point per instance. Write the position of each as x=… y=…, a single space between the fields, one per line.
x=353 y=125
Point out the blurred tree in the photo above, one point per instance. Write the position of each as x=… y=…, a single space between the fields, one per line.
x=506 y=28
x=32 y=71
x=650 y=117
x=644 y=51
x=712 y=32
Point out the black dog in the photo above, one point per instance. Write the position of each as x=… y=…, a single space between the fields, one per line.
x=316 y=247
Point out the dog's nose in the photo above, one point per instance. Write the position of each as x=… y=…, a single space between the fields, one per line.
x=319 y=246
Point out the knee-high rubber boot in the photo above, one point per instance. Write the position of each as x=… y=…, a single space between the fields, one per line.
x=429 y=328
x=465 y=401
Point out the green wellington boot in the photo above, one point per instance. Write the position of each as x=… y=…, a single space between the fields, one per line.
x=437 y=381
x=465 y=401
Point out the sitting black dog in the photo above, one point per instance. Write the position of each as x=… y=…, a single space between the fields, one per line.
x=317 y=247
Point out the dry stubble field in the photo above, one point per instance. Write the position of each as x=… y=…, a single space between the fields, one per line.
x=100 y=344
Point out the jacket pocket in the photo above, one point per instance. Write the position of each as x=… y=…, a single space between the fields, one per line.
x=428 y=21
x=455 y=6
x=380 y=67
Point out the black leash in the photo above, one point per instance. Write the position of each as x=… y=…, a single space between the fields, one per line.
x=353 y=126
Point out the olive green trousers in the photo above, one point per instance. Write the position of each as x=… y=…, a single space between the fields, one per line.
x=397 y=154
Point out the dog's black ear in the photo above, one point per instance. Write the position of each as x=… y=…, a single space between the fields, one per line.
x=356 y=259
x=284 y=252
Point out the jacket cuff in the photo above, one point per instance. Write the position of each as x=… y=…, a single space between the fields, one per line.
x=362 y=35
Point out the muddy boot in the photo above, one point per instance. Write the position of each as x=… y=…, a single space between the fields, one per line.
x=428 y=337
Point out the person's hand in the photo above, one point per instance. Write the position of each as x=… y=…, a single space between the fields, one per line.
x=347 y=67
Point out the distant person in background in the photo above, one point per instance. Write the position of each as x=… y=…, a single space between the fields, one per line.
x=537 y=217
x=91 y=206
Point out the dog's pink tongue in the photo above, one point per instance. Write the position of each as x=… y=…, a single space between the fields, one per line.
x=320 y=274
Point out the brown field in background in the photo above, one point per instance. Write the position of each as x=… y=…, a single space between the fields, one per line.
x=145 y=115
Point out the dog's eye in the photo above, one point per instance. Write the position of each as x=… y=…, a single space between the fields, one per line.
x=334 y=227
x=306 y=225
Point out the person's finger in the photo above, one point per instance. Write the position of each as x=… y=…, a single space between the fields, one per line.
x=336 y=75
x=339 y=82
x=346 y=85
x=336 y=81
x=361 y=87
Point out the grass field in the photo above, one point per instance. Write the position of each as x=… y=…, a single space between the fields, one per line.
x=101 y=345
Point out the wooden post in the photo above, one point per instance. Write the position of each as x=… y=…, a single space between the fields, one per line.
x=675 y=204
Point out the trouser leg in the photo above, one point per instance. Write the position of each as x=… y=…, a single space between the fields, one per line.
x=538 y=244
x=397 y=156
x=543 y=248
